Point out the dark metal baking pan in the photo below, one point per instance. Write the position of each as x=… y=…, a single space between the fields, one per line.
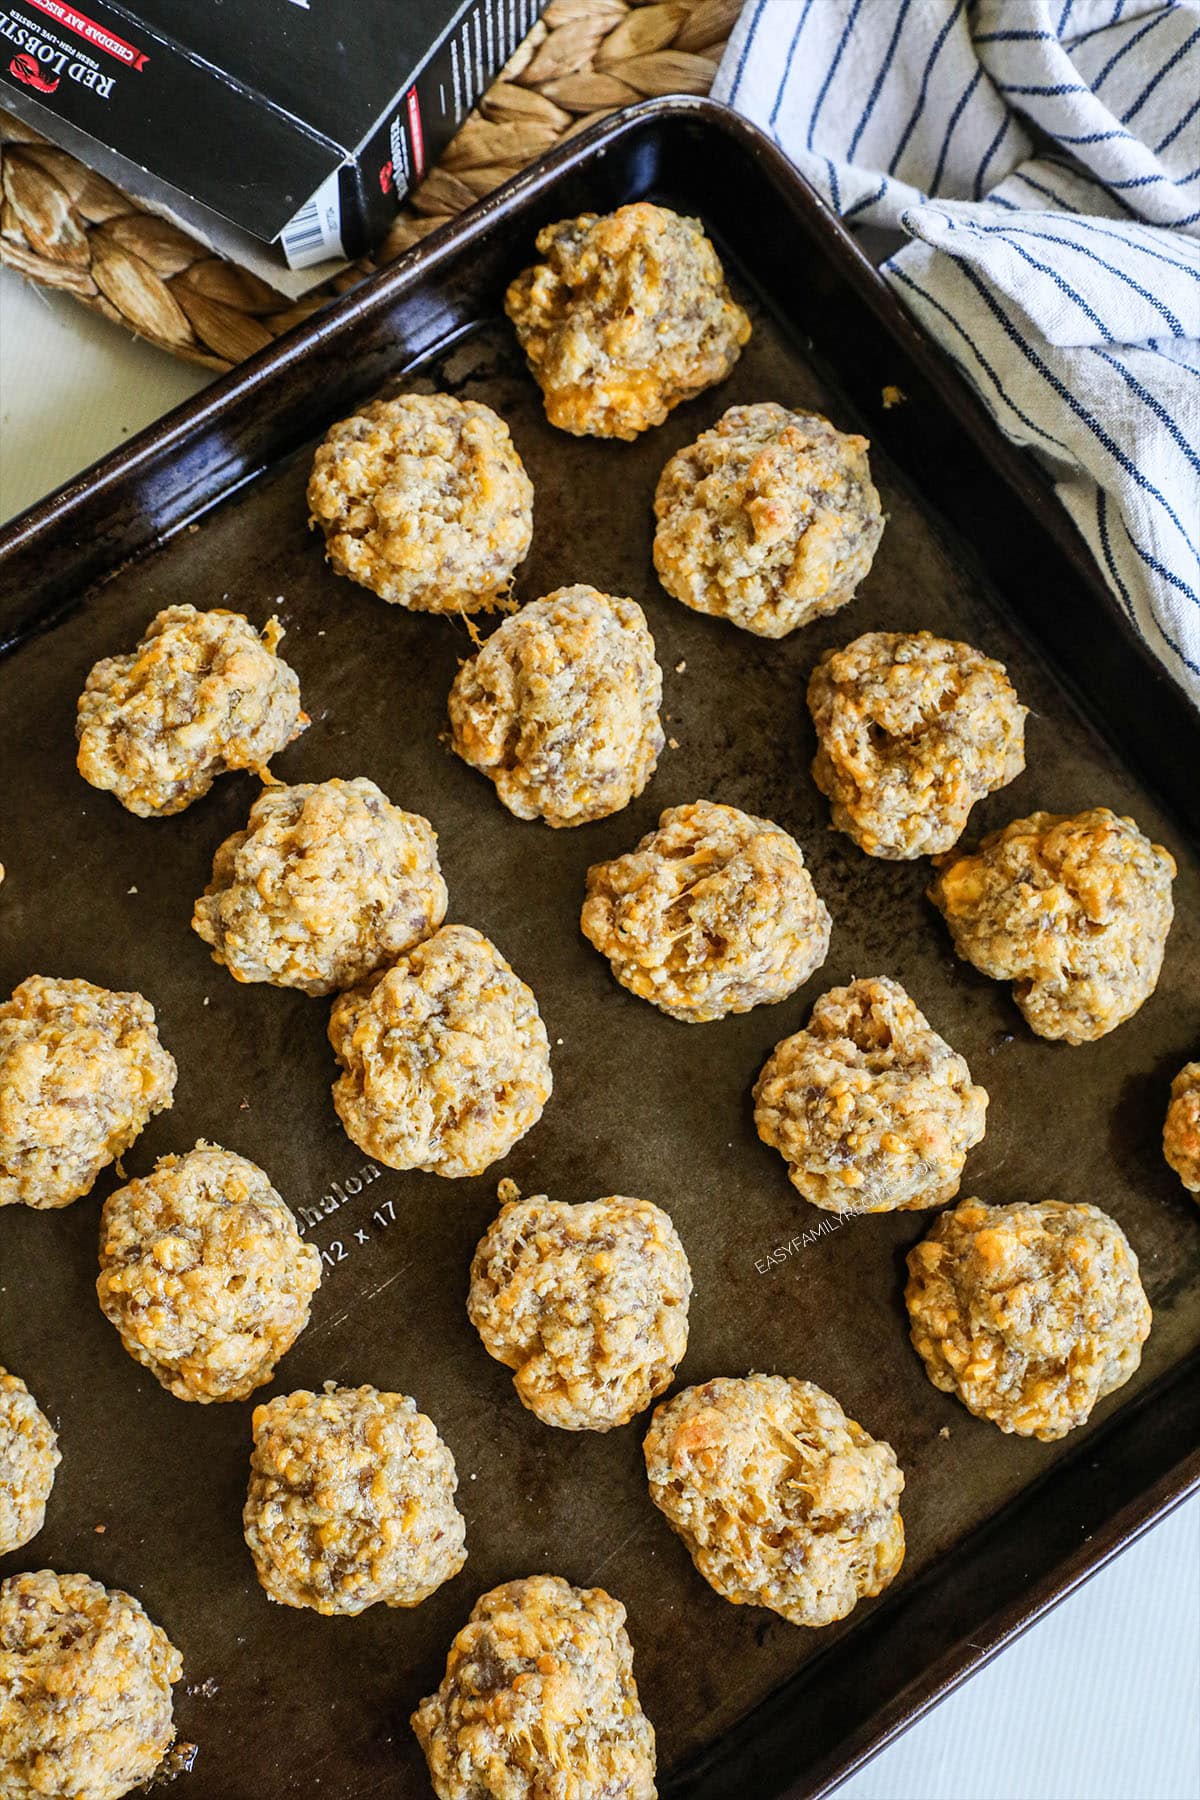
x=209 y=507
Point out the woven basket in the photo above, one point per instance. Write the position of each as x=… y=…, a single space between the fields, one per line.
x=68 y=228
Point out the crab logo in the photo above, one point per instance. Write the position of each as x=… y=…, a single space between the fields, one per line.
x=25 y=69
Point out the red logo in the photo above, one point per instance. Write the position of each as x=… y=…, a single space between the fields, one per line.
x=25 y=69
x=416 y=134
x=93 y=33
x=385 y=178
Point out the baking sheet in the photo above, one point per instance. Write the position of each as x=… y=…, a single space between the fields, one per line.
x=284 y=1703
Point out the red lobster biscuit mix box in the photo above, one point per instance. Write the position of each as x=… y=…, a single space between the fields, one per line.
x=300 y=124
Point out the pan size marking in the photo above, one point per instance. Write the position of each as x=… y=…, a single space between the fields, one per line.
x=338 y=1194
x=340 y=1249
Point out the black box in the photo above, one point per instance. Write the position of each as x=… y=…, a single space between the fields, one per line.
x=301 y=122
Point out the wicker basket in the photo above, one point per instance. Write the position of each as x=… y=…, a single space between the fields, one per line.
x=68 y=228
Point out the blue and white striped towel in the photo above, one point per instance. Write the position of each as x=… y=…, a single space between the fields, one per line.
x=1043 y=159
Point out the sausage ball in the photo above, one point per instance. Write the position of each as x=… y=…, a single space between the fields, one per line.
x=351 y=1501
x=29 y=1455
x=445 y=1059
x=1030 y=1314
x=781 y=1499
x=769 y=520
x=204 y=1274
x=1181 y=1132
x=328 y=882
x=538 y=1701
x=81 y=1072
x=560 y=707
x=714 y=912
x=85 y=1689
x=628 y=315
x=588 y=1304
x=1074 y=911
x=912 y=731
x=871 y=1110
x=425 y=501
x=204 y=693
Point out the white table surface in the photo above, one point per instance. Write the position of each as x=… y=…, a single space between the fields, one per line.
x=1099 y=1701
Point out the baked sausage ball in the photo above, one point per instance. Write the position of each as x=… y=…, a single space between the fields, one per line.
x=204 y=693
x=871 y=1110
x=351 y=1501
x=328 y=882
x=204 y=1274
x=29 y=1455
x=425 y=501
x=1074 y=911
x=1181 y=1132
x=85 y=1689
x=560 y=707
x=588 y=1304
x=538 y=1701
x=713 y=913
x=628 y=315
x=781 y=1499
x=912 y=730
x=1030 y=1314
x=81 y=1072
x=769 y=520
x=445 y=1059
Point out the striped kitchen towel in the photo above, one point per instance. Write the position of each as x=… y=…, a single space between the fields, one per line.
x=1042 y=158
